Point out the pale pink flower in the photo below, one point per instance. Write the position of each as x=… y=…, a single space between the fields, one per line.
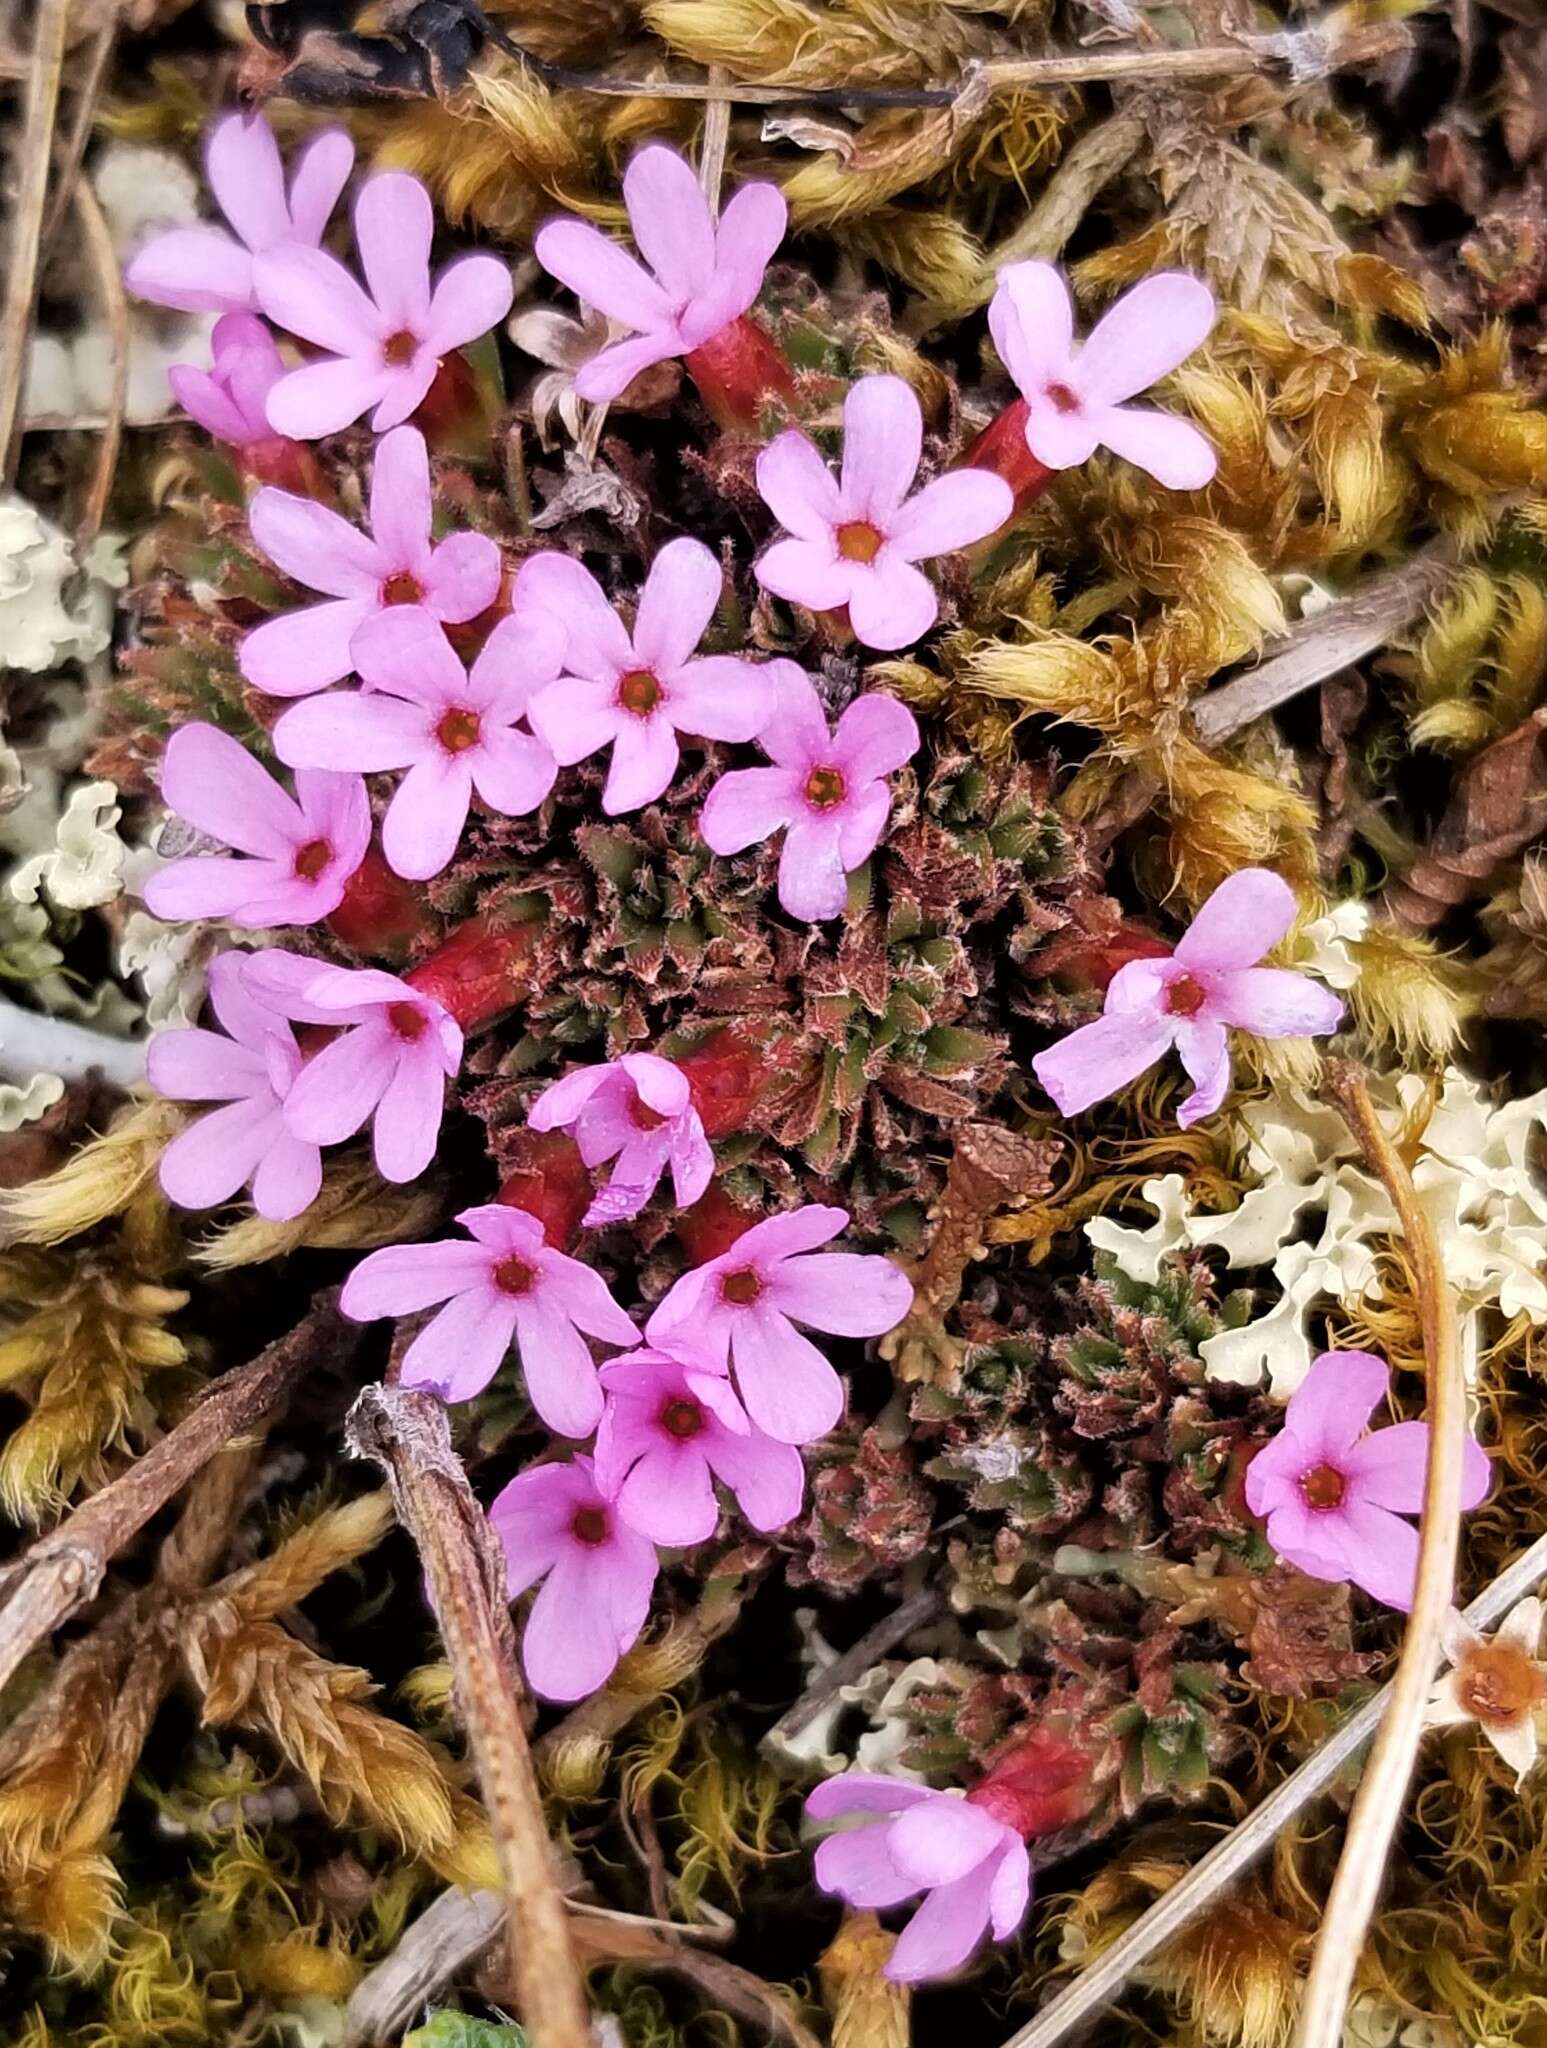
x=827 y=791
x=386 y=343
x=389 y=1062
x=910 y=1840
x=205 y=269
x=557 y=1525
x=251 y=1071
x=228 y=400
x=670 y=1430
x=637 y=1111
x=394 y=568
x=453 y=731
x=740 y=1311
x=635 y=693
x=503 y=1281
x=1075 y=396
x=705 y=273
x=857 y=536
x=1334 y=1491
x=1497 y=1682
x=1189 y=1000
x=303 y=849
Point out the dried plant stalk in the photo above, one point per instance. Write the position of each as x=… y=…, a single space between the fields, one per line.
x=26 y=226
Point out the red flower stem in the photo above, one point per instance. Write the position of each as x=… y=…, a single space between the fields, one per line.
x=713 y=1225
x=736 y=370
x=1001 y=448
x=481 y=970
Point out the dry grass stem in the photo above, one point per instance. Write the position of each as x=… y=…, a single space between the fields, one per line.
x=873 y=1645
x=26 y=226
x=98 y=240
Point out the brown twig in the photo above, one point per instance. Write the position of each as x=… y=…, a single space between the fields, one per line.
x=854 y=1662
x=22 y=247
x=88 y=89
x=405 y=1432
x=64 y=1569
x=712 y=143
x=110 y=286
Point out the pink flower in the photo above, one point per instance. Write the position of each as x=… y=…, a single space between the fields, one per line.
x=827 y=790
x=671 y=1429
x=453 y=731
x=505 y=1281
x=637 y=1110
x=228 y=399
x=706 y=273
x=741 y=1309
x=557 y=1525
x=303 y=849
x=974 y=1867
x=635 y=694
x=205 y=269
x=1210 y=982
x=394 y=568
x=1075 y=397
x=857 y=537
x=390 y=1061
x=251 y=1071
x=386 y=344
x=1334 y=1491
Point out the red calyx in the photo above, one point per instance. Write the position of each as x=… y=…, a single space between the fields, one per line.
x=381 y=915
x=453 y=404
x=481 y=970
x=737 y=369
x=1001 y=447
x=291 y=465
x=713 y=1225
x=551 y=1182
x=725 y=1076
x=1043 y=1782
x=1093 y=963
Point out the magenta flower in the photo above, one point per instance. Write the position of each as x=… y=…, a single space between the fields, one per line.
x=303 y=848
x=394 y=568
x=453 y=731
x=858 y=536
x=1210 y=982
x=741 y=1310
x=206 y=270
x=827 y=791
x=671 y=1429
x=706 y=273
x=636 y=693
x=504 y=1281
x=637 y=1111
x=556 y=1524
x=1075 y=396
x=251 y=1071
x=228 y=399
x=911 y=1840
x=389 y=1062
x=386 y=343
x=1334 y=1491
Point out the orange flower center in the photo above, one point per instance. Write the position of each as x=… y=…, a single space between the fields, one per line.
x=591 y=1525
x=682 y=1418
x=458 y=731
x=408 y=1022
x=1324 y=1488
x=741 y=1289
x=514 y=1276
x=1185 y=997
x=1062 y=399
x=639 y=691
x=398 y=350
x=312 y=858
x=401 y=587
x=1499 y=1682
x=859 y=541
x=824 y=788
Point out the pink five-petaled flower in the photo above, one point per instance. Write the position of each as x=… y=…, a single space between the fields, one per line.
x=395 y=567
x=857 y=536
x=706 y=274
x=671 y=1429
x=228 y=399
x=204 y=269
x=504 y=1281
x=636 y=693
x=1334 y=1492
x=251 y=1071
x=556 y=1524
x=975 y=1868
x=1075 y=396
x=828 y=790
x=744 y=1305
x=637 y=1111
x=390 y=1061
x=303 y=849
x=387 y=343
x=454 y=732
x=1210 y=982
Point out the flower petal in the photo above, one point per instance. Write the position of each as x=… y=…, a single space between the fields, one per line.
x=798 y=487
x=1099 y=1059
x=320 y=175
x=751 y=227
x=644 y=760
x=721 y=697
x=521 y=656
x=805 y=572
x=1031 y=319
x=564 y=1651
x=1010 y=1893
x=1061 y=440
x=1389 y=1466
x=669 y=1496
x=309 y=293
x=367 y=731
x=861 y=822
x=314 y=545
x=941 y=1841
x=1382 y=1552
x=324 y=397
x=575 y=719
x=857 y=1866
x=863 y=1792
x=954 y=511
x=337 y=1090
x=394 y=227
x=797 y=735
x=787 y=1387
x=557 y=1366
x=611 y=370
x=207 y=1163
x=1273 y=1002
x=1149 y=331
x=303 y=651
x=424 y=820
x=403 y=1277
x=676 y=604
x=471 y=295
x=512 y=771
x=944 y=1931
x=891 y=604
x=767 y=1478
x=598 y=647
x=673 y=227
x=401 y=502
x=408 y=1117
x=460 y=1351
x=847 y=1294
x=747 y=805
x=1243 y=919
x=1331 y=1408
x=813 y=882
x=1170 y=450
x=193 y=270
x=242 y=164
x=876 y=736
x=288 y=1177
x=601 y=274
x=462 y=578
x=1205 y=1050
x=210 y=779
x=195 y=1065
x=403 y=651
x=883 y=437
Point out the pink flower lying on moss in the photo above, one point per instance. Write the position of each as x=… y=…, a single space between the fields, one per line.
x=385 y=343
x=741 y=1310
x=1334 y=1491
x=1209 y=983
x=302 y=849
x=855 y=538
x=706 y=272
x=395 y=568
x=229 y=399
x=827 y=791
x=503 y=1281
x=251 y=1072
x=911 y=1840
x=204 y=269
x=638 y=1112
x=671 y=1429
x=557 y=1525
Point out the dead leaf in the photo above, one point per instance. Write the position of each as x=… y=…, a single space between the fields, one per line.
x=1498 y=807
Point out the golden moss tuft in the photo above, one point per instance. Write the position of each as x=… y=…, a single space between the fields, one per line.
x=98 y=1181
